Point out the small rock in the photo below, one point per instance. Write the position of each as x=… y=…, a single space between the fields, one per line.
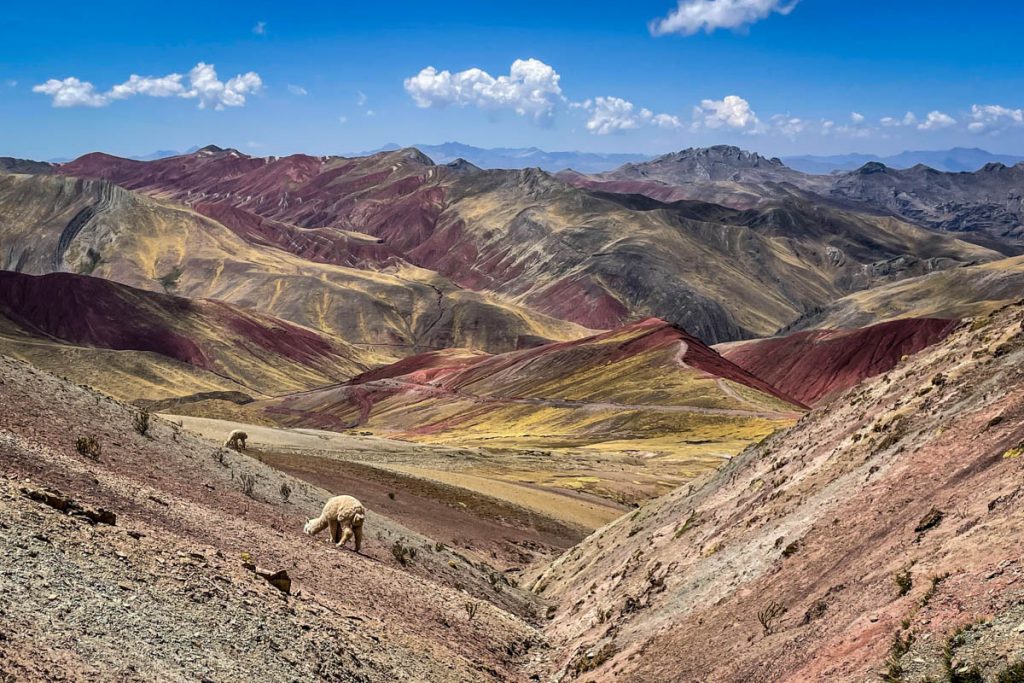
x=873 y=618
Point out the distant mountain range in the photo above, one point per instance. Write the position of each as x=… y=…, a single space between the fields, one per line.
x=956 y=160
x=521 y=157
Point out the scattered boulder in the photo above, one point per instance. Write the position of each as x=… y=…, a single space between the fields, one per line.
x=67 y=505
x=278 y=579
x=929 y=521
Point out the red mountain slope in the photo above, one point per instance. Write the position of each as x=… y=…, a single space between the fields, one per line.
x=648 y=385
x=253 y=349
x=814 y=365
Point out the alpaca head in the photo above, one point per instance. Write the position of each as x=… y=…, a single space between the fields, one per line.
x=308 y=527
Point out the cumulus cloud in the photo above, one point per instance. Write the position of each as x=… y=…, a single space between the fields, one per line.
x=614 y=115
x=71 y=92
x=731 y=112
x=211 y=91
x=992 y=118
x=936 y=120
x=343 y=120
x=260 y=28
x=361 y=98
x=297 y=90
x=11 y=83
x=857 y=117
x=531 y=89
x=204 y=86
x=691 y=16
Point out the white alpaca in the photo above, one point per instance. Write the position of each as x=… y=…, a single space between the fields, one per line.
x=343 y=513
x=236 y=440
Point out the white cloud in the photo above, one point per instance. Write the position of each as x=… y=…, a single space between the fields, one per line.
x=992 y=118
x=614 y=115
x=370 y=112
x=166 y=86
x=530 y=89
x=297 y=90
x=204 y=85
x=260 y=28
x=936 y=120
x=361 y=98
x=691 y=16
x=71 y=92
x=211 y=91
x=857 y=117
x=11 y=83
x=909 y=119
x=788 y=126
x=343 y=120
x=732 y=112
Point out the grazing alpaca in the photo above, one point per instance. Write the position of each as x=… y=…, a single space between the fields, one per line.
x=341 y=513
x=236 y=440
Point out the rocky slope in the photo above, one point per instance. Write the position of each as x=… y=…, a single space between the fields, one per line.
x=721 y=174
x=813 y=365
x=52 y=315
x=879 y=537
x=12 y=165
x=984 y=206
x=987 y=204
x=595 y=259
x=135 y=562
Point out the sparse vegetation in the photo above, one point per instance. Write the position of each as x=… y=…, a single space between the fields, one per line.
x=286 y=491
x=956 y=672
x=936 y=580
x=592 y=659
x=88 y=446
x=692 y=522
x=893 y=665
x=769 y=616
x=1014 y=673
x=471 y=609
x=248 y=484
x=403 y=554
x=140 y=422
x=904 y=582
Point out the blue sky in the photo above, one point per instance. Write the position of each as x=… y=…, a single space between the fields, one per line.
x=776 y=76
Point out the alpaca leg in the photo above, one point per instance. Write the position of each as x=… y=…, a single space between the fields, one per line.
x=332 y=525
x=242 y=444
x=345 y=535
x=358 y=533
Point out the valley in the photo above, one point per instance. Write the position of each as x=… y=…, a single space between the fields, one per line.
x=596 y=419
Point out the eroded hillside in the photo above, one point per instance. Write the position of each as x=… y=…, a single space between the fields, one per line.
x=879 y=537
x=139 y=566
